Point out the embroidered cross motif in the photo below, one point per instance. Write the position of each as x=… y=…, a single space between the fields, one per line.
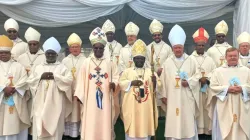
x=99 y=33
x=98 y=76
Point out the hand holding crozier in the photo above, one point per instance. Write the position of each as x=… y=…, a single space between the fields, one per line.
x=136 y=83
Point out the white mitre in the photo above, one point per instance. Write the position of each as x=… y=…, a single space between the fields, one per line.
x=177 y=36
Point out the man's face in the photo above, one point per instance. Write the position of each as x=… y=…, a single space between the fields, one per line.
x=244 y=48
x=157 y=37
x=33 y=46
x=200 y=47
x=5 y=56
x=98 y=50
x=131 y=39
x=110 y=36
x=75 y=49
x=220 y=38
x=12 y=34
x=232 y=58
x=178 y=50
x=51 y=56
x=139 y=61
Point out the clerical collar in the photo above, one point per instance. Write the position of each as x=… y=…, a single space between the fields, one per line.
x=223 y=44
x=158 y=43
x=17 y=40
x=56 y=63
x=233 y=66
x=128 y=46
x=79 y=55
x=93 y=57
x=111 y=42
x=136 y=68
x=38 y=52
x=182 y=58
x=196 y=54
x=245 y=56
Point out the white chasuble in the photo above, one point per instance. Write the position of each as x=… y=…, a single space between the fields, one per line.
x=14 y=118
x=182 y=102
x=231 y=119
x=52 y=100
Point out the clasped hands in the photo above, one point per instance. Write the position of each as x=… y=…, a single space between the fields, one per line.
x=235 y=89
x=47 y=76
x=8 y=91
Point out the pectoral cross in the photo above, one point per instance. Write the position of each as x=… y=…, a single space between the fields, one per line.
x=158 y=62
x=47 y=85
x=235 y=118
x=177 y=111
x=11 y=81
x=11 y=109
x=73 y=71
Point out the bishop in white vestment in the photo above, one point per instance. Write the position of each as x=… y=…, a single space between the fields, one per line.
x=14 y=117
x=180 y=90
x=34 y=55
x=217 y=51
x=244 y=47
x=230 y=86
x=205 y=65
x=73 y=62
x=50 y=85
x=112 y=52
x=125 y=58
x=162 y=52
x=20 y=47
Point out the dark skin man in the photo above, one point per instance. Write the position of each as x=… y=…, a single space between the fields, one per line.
x=200 y=49
x=5 y=57
x=51 y=57
x=139 y=63
x=12 y=34
x=33 y=47
x=98 y=50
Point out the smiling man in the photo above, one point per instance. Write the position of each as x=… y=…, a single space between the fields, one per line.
x=73 y=62
x=230 y=86
x=217 y=51
x=50 y=85
x=20 y=47
x=95 y=85
x=244 y=47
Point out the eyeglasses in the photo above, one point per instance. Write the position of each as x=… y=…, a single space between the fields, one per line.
x=32 y=44
x=221 y=36
x=155 y=35
x=98 y=48
x=12 y=31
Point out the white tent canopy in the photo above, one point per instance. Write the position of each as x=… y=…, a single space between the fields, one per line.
x=60 y=18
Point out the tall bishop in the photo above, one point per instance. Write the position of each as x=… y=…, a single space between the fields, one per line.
x=180 y=90
x=95 y=85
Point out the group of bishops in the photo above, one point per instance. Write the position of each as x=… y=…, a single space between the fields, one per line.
x=202 y=93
